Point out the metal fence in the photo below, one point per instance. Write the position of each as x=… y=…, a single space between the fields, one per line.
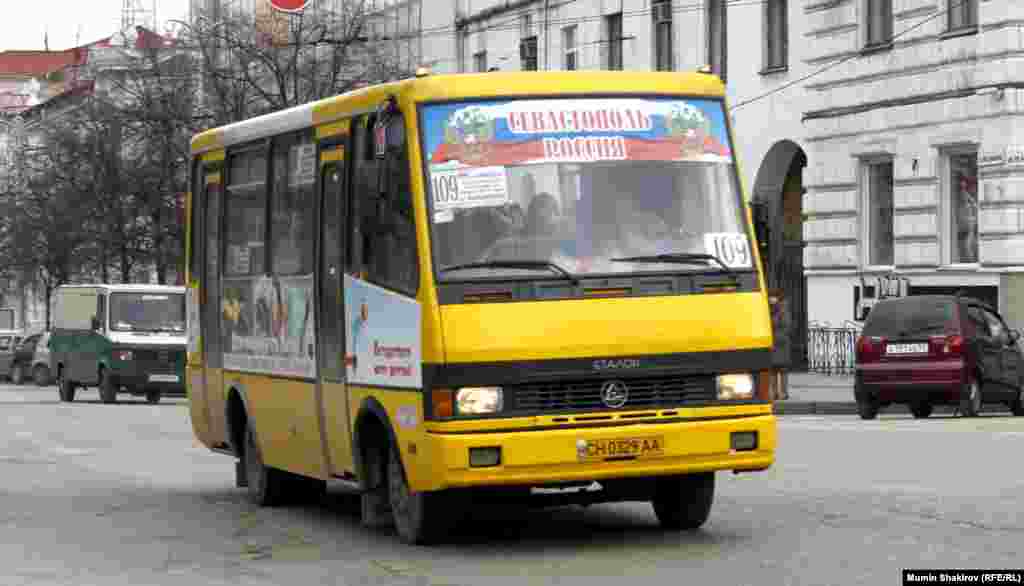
x=831 y=350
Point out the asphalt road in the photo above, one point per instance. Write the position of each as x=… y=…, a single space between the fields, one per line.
x=123 y=495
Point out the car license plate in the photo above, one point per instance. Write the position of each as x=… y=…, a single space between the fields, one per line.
x=906 y=349
x=163 y=378
x=620 y=448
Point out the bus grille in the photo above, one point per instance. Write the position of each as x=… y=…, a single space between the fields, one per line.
x=647 y=392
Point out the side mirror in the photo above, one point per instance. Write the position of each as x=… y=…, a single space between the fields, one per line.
x=95 y=323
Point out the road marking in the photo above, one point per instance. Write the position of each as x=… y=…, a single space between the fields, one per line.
x=64 y=451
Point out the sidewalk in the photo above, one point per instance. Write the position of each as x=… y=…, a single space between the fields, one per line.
x=820 y=394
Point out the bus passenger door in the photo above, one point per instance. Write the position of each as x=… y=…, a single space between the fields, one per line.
x=331 y=332
x=213 y=359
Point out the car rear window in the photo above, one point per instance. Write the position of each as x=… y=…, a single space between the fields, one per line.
x=910 y=316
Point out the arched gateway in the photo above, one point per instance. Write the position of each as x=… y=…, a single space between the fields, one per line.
x=778 y=220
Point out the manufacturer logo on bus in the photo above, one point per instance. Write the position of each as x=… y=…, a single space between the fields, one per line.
x=614 y=394
x=616 y=364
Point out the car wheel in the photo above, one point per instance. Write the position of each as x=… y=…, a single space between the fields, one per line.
x=17 y=375
x=684 y=502
x=921 y=410
x=419 y=516
x=108 y=390
x=1017 y=407
x=65 y=388
x=153 y=397
x=867 y=409
x=41 y=374
x=970 y=403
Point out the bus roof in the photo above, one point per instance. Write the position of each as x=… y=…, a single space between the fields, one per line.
x=459 y=86
x=128 y=287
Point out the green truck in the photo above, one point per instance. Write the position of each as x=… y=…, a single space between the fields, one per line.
x=120 y=339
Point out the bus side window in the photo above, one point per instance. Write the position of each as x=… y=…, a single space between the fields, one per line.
x=363 y=195
x=395 y=260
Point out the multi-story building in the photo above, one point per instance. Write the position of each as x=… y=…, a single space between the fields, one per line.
x=914 y=140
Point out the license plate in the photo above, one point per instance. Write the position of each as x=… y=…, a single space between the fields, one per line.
x=616 y=448
x=906 y=349
x=163 y=378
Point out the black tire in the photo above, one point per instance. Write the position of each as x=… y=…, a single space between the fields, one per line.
x=153 y=397
x=267 y=486
x=17 y=374
x=684 y=502
x=921 y=410
x=420 y=517
x=108 y=390
x=970 y=402
x=65 y=388
x=867 y=409
x=41 y=374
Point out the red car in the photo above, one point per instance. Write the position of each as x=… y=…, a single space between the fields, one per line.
x=930 y=350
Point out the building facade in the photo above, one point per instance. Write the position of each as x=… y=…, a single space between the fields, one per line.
x=913 y=141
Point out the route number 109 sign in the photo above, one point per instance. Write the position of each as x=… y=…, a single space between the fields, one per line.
x=733 y=248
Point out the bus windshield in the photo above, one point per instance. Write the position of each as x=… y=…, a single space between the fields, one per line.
x=150 y=312
x=593 y=186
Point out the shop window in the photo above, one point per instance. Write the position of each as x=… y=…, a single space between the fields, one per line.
x=245 y=228
x=963 y=191
x=880 y=243
x=292 y=206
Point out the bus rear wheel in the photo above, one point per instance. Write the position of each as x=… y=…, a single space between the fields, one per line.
x=418 y=515
x=684 y=502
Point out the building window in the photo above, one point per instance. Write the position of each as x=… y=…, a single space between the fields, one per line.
x=480 y=61
x=569 y=48
x=963 y=14
x=528 y=54
x=963 y=191
x=880 y=213
x=879 y=23
x=613 y=40
x=526 y=25
x=717 y=41
x=661 y=13
x=776 y=35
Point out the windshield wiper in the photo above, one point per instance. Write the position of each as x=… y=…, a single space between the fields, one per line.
x=514 y=264
x=680 y=257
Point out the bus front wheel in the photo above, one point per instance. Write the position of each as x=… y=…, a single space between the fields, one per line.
x=418 y=515
x=684 y=502
x=266 y=485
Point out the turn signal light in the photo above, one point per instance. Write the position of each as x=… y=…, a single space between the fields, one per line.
x=443 y=402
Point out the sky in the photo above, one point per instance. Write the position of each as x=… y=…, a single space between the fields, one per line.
x=25 y=22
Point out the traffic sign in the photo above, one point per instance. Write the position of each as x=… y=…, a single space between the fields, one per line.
x=289 y=5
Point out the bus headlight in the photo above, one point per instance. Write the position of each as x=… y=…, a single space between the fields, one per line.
x=478 y=400
x=735 y=386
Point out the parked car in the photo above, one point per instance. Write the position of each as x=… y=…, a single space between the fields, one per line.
x=931 y=350
x=32 y=358
x=9 y=341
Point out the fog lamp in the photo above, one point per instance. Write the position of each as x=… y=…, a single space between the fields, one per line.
x=743 y=441
x=484 y=457
x=478 y=400
x=735 y=386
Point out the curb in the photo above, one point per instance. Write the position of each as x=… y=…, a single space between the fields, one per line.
x=837 y=408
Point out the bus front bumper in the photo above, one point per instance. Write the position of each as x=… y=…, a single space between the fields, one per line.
x=551 y=456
